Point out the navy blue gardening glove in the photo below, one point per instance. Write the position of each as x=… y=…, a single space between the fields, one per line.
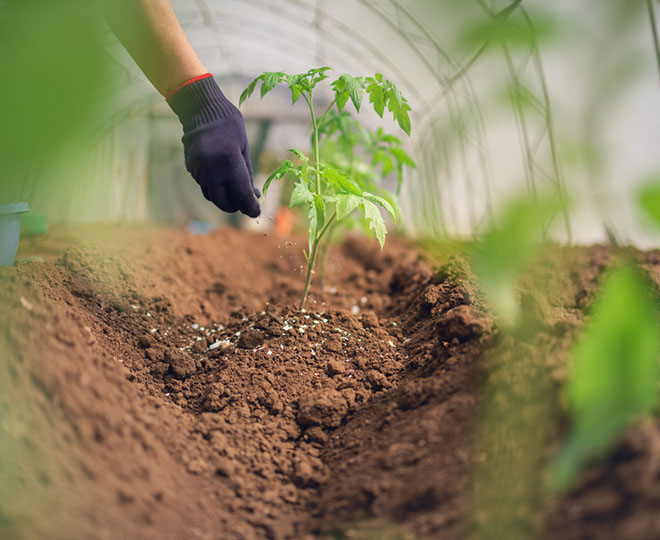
x=216 y=146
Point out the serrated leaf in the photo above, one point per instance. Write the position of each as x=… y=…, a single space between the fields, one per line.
x=380 y=201
x=295 y=93
x=286 y=166
x=301 y=195
x=346 y=204
x=377 y=98
x=403 y=119
x=339 y=180
x=347 y=86
x=355 y=89
x=315 y=76
x=339 y=86
x=376 y=221
x=270 y=79
x=248 y=91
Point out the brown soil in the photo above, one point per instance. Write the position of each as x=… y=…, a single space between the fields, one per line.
x=160 y=385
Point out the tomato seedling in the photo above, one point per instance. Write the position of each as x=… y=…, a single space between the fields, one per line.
x=330 y=194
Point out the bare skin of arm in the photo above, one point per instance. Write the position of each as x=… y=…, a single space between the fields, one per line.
x=151 y=33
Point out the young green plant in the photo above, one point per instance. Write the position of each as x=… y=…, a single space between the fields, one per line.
x=327 y=193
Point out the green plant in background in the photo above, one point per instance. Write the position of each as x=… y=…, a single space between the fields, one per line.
x=326 y=192
x=615 y=374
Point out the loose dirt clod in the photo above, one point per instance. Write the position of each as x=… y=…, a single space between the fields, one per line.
x=322 y=407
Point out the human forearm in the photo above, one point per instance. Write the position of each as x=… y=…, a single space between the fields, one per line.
x=151 y=33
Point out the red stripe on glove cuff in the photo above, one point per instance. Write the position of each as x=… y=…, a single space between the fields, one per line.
x=183 y=85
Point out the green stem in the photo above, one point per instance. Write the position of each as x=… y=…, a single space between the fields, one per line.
x=322 y=117
x=312 y=261
x=315 y=130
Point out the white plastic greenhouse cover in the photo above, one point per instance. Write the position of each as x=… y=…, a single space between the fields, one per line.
x=471 y=152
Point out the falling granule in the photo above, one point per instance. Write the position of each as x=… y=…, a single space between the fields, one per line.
x=355 y=310
x=364 y=300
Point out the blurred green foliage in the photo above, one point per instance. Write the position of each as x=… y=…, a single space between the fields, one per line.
x=53 y=73
x=507 y=250
x=649 y=200
x=616 y=372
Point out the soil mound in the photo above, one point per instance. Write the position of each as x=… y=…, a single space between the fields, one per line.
x=161 y=385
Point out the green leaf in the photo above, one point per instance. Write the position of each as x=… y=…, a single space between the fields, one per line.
x=295 y=93
x=297 y=84
x=298 y=154
x=316 y=75
x=402 y=157
x=339 y=86
x=615 y=370
x=339 y=180
x=403 y=118
x=301 y=195
x=385 y=93
x=286 y=166
x=376 y=221
x=248 y=91
x=377 y=98
x=348 y=86
x=380 y=201
x=270 y=78
x=346 y=204
x=507 y=250
x=649 y=200
x=381 y=156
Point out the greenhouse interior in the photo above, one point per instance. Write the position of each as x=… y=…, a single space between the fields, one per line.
x=330 y=270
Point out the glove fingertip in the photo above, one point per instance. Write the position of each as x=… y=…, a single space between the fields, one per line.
x=253 y=211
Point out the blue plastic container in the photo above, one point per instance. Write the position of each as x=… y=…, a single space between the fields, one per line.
x=10 y=231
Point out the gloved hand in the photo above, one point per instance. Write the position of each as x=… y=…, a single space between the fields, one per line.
x=216 y=146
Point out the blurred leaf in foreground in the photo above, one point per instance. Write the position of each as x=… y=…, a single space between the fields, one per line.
x=507 y=250
x=54 y=69
x=615 y=374
x=649 y=199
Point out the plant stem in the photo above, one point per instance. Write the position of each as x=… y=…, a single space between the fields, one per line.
x=322 y=117
x=312 y=261
x=315 y=130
